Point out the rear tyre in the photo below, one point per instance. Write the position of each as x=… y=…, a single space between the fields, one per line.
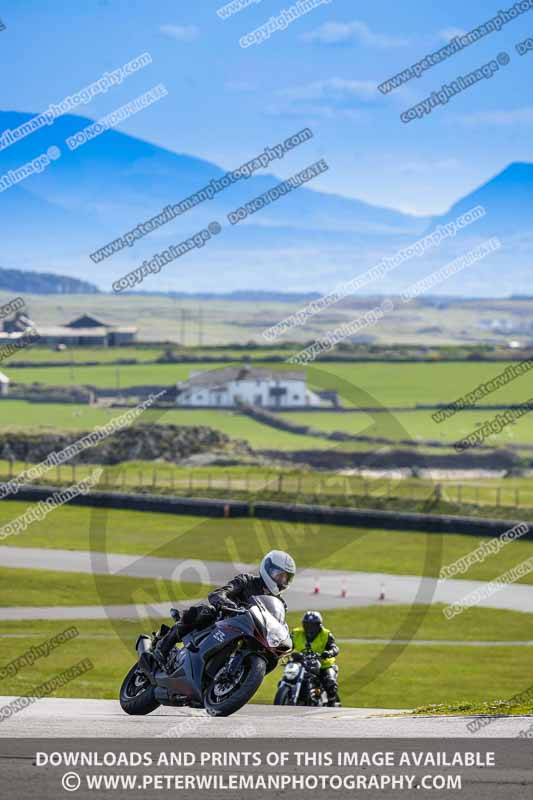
x=283 y=696
x=219 y=704
x=137 y=693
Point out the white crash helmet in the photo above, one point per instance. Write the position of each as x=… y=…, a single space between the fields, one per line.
x=277 y=569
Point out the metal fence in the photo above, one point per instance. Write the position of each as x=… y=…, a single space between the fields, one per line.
x=292 y=485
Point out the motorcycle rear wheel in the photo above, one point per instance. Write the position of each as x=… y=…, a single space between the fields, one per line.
x=283 y=696
x=135 y=699
x=254 y=673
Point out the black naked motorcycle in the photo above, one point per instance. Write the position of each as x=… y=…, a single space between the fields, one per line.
x=219 y=668
x=300 y=684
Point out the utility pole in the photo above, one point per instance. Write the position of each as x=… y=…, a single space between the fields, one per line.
x=182 y=334
x=200 y=328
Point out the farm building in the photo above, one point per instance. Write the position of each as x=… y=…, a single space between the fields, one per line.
x=227 y=387
x=85 y=330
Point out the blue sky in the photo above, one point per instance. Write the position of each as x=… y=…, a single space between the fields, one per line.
x=226 y=103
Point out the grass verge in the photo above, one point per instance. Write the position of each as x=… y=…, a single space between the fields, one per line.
x=39 y=587
x=485 y=708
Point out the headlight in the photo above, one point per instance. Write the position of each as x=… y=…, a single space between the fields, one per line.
x=273 y=639
x=277 y=634
x=292 y=669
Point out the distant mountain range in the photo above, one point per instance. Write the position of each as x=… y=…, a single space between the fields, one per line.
x=305 y=242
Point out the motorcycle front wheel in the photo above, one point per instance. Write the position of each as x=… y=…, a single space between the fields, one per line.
x=283 y=696
x=137 y=694
x=224 y=696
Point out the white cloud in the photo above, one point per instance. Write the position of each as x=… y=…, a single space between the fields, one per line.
x=332 y=33
x=181 y=33
x=447 y=34
x=318 y=112
x=334 y=89
x=520 y=116
x=334 y=97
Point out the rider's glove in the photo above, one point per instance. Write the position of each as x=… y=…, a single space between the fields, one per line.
x=219 y=600
x=325 y=654
x=225 y=602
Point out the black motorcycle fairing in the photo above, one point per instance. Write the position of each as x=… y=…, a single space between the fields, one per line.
x=218 y=654
x=193 y=663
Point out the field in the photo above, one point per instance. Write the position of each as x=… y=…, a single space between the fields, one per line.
x=20 y=414
x=417 y=426
x=359 y=384
x=413 y=427
x=222 y=321
x=72 y=355
x=39 y=587
x=385 y=386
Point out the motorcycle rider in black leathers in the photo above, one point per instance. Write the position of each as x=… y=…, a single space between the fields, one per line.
x=276 y=571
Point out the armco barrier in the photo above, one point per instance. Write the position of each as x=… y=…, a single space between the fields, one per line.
x=141 y=502
x=389 y=520
x=324 y=515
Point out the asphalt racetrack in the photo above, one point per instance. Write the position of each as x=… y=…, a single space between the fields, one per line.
x=361 y=588
x=71 y=718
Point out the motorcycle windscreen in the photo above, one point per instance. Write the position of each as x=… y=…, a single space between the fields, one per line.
x=269 y=612
x=273 y=605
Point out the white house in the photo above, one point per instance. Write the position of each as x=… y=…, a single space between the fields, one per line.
x=4 y=384
x=229 y=386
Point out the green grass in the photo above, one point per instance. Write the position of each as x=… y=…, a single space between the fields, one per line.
x=384 y=622
x=360 y=384
x=17 y=414
x=106 y=355
x=369 y=677
x=408 y=677
x=484 y=708
x=246 y=540
x=415 y=426
x=35 y=587
x=72 y=355
x=410 y=384
x=105 y=375
x=48 y=416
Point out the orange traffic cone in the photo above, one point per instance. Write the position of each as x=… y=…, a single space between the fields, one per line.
x=344 y=592
x=316 y=590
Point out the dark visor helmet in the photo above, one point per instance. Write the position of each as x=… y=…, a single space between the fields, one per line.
x=312 y=624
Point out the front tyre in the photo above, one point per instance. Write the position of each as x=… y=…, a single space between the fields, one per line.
x=137 y=693
x=224 y=697
x=283 y=696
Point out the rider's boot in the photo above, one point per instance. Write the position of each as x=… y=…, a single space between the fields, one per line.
x=333 y=698
x=163 y=649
